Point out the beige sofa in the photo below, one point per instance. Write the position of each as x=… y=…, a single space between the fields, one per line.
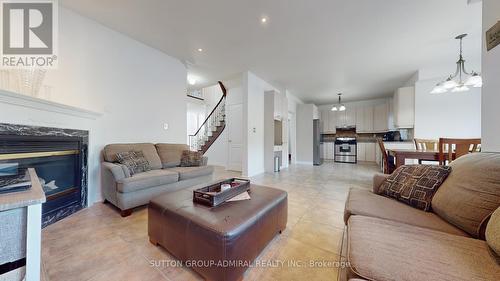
x=126 y=191
x=388 y=240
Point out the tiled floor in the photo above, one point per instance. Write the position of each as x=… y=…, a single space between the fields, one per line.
x=98 y=244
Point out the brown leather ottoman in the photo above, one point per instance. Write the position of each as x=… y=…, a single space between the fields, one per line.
x=219 y=243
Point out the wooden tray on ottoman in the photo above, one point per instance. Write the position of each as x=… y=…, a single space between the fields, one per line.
x=212 y=196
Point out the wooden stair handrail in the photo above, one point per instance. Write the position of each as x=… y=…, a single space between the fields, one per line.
x=215 y=107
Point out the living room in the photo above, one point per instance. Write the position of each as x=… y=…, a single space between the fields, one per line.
x=121 y=126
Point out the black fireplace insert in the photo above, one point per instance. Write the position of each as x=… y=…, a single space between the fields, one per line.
x=59 y=157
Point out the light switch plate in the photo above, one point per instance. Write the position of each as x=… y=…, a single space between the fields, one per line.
x=493 y=36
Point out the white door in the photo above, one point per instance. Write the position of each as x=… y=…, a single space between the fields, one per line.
x=234 y=128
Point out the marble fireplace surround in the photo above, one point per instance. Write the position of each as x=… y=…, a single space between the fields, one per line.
x=82 y=136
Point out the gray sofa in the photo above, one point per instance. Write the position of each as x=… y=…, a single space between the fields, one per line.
x=388 y=240
x=127 y=192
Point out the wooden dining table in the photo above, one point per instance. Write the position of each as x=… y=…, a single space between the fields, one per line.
x=400 y=155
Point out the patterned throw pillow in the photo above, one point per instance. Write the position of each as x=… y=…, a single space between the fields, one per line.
x=415 y=185
x=191 y=158
x=135 y=161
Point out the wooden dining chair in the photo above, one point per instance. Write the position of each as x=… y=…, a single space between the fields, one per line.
x=425 y=145
x=388 y=162
x=455 y=148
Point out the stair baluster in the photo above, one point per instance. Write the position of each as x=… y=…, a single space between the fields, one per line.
x=212 y=127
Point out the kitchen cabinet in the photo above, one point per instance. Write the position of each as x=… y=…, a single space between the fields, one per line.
x=332 y=121
x=327 y=150
x=328 y=121
x=364 y=119
x=360 y=124
x=324 y=121
x=346 y=118
x=350 y=116
x=370 y=152
x=404 y=107
x=380 y=118
x=366 y=151
x=361 y=151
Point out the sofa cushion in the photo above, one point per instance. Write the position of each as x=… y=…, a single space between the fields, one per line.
x=471 y=192
x=192 y=172
x=146 y=180
x=366 y=203
x=170 y=154
x=148 y=149
x=386 y=250
x=493 y=232
x=134 y=161
x=415 y=185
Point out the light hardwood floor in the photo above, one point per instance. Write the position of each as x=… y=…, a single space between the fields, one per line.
x=98 y=244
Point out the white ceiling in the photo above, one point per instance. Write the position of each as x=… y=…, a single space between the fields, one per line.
x=314 y=48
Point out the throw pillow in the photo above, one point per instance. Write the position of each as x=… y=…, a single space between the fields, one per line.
x=415 y=185
x=134 y=161
x=191 y=158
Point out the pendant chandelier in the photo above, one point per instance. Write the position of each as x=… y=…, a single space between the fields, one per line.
x=462 y=80
x=340 y=106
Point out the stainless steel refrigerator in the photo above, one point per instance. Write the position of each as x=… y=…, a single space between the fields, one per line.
x=317 y=160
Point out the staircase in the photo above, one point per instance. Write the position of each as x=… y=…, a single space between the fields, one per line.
x=212 y=128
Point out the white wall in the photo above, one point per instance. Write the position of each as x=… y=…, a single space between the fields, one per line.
x=196 y=112
x=253 y=117
x=137 y=89
x=293 y=103
x=269 y=109
x=451 y=115
x=491 y=76
x=211 y=96
x=305 y=113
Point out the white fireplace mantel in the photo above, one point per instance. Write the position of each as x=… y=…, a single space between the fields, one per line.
x=45 y=105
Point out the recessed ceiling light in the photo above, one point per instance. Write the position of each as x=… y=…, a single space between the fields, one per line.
x=263 y=20
x=191 y=81
x=200 y=50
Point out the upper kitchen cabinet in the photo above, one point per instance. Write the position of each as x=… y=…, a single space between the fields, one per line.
x=404 y=107
x=364 y=119
x=332 y=121
x=323 y=120
x=328 y=121
x=346 y=118
x=381 y=117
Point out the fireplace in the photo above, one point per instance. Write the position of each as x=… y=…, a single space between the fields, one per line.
x=59 y=157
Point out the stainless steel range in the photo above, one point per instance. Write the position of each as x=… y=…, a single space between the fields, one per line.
x=345 y=150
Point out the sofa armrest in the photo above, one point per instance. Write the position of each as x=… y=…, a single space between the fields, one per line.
x=204 y=161
x=378 y=179
x=118 y=171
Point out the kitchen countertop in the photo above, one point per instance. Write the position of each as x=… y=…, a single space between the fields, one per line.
x=34 y=195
